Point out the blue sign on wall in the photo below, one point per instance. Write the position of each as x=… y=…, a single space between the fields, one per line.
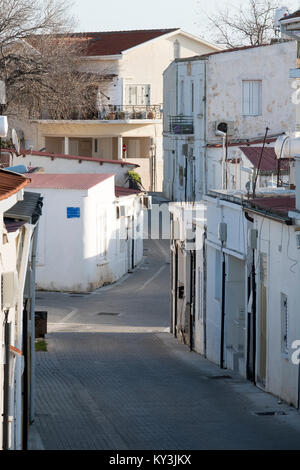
x=73 y=212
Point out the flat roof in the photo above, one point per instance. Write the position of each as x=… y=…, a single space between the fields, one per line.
x=79 y=181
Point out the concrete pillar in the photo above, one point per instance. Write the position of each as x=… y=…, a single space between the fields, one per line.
x=120 y=147
x=67 y=146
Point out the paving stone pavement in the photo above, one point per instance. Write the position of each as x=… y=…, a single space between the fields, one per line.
x=104 y=385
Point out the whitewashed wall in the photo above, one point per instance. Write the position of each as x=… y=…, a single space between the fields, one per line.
x=278 y=242
x=70 y=166
x=82 y=254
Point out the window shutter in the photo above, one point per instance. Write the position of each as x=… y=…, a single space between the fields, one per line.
x=246 y=98
x=252 y=97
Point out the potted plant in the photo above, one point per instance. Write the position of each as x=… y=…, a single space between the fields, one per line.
x=134 y=180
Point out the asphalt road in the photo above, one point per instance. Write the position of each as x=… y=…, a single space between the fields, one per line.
x=114 y=378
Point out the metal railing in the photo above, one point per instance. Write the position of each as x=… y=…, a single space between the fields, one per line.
x=181 y=125
x=126 y=112
x=112 y=112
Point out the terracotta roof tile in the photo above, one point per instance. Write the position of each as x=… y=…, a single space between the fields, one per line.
x=11 y=183
x=111 y=42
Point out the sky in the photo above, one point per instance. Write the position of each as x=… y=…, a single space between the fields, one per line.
x=105 y=15
x=114 y=15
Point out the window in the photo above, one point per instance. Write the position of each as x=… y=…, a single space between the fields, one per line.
x=252 y=94
x=138 y=95
x=284 y=324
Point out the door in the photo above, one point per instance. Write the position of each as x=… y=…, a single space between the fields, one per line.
x=134 y=148
x=73 y=147
x=235 y=334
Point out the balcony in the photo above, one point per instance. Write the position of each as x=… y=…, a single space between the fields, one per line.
x=111 y=113
x=180 y=125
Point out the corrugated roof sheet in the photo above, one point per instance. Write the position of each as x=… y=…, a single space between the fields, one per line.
x=11 y=183
x=24 y=209
x=80 y=181
x=110 y=42
x=269 y=160
x=280 y=205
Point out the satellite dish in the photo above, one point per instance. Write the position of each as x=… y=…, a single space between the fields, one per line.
x=16 y=141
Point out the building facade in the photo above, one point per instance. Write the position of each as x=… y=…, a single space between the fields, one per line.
x=126 y=122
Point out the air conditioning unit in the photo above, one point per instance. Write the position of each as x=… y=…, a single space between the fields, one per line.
x=10 y=284
x=221 y=126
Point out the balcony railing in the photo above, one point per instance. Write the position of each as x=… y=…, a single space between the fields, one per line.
x=181 y=125
x=112 y=113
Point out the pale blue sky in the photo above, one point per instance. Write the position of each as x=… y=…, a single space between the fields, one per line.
x=103 y=15
x=110 y=15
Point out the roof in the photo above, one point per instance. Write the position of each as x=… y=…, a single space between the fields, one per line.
x=74 y=157
x=280 y=205
x=104 y=43
x=29 y=209
x=80 y=181
x=224 y=51
x=13 y=225
x=11 y=183
x=296 y=14
x=269 y=160
x=247 y=142
x=121 y=192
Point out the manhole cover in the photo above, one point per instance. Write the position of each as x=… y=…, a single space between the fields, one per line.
x=111 y=314
x=219 y=377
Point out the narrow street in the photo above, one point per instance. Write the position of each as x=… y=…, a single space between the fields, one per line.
x=114 y=378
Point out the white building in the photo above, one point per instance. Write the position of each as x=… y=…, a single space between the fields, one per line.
x=69 y=164
x=18 y=241
x=202 y=92
x=127 y=119
x=90 y=233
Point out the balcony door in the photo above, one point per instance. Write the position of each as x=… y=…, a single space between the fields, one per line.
x=138 y=95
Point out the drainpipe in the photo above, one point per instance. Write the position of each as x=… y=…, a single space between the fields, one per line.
x=6 y=394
